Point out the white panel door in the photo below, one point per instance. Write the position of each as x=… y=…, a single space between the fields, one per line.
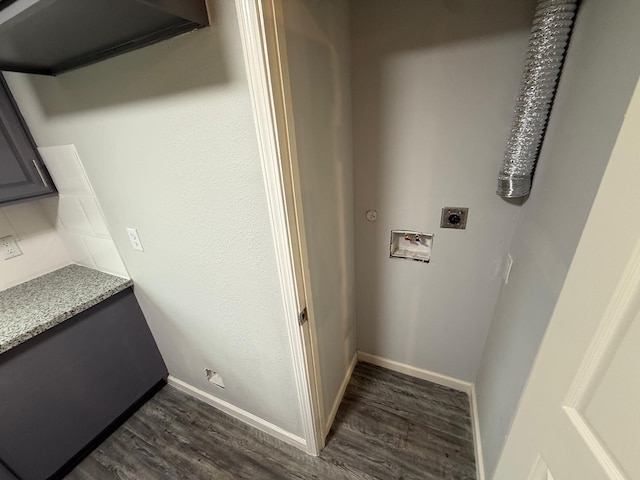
x=579 y=417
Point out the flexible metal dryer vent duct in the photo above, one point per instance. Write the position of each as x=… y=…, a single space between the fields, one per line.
x=550 y=34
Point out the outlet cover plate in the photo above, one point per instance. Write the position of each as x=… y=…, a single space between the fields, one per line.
x=9 y=247
x=134 y=238
x=460 y=212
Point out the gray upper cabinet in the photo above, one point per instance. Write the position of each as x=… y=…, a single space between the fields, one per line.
x=22 y=174
x=52 y=36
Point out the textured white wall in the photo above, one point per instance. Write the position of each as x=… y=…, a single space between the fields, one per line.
x=317 y=39
x=599 y=76
x=434 y=85
x=166 y=136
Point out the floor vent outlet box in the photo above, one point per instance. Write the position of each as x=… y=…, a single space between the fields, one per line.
x=214 y=377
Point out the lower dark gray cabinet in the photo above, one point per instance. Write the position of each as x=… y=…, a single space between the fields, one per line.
x=22 y=174
x=6 y=474
x=63 y=388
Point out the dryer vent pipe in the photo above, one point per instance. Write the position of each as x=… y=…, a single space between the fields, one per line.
x=550 y=34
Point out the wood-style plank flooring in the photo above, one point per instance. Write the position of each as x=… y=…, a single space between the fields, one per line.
x=389 y=426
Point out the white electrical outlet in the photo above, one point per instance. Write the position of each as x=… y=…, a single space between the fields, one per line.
x=507 y=268
x=9 y=247
x=134 y=239
x=214 y=377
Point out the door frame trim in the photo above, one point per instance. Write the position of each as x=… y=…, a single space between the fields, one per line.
x=270 y=97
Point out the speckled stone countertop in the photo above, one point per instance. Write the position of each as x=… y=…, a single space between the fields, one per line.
x=39 y=304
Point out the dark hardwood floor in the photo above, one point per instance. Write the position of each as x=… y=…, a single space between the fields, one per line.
x=389 y=426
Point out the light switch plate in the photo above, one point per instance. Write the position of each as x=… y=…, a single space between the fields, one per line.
x=134 y=238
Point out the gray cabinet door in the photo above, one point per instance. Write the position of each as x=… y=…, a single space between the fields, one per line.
x=61 y=389
x=22 y=173
x=5 y=474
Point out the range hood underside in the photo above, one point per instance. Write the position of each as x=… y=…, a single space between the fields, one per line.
x=53 y=36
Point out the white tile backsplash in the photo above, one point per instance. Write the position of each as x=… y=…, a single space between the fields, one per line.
x=56 y=231
x=5 y=226
x=94 y=215
x=42 y=247
x=105 y=255
x=77 y=249
x=79 y=218
x=66 y=169
x=27 y=219
x=72 y=215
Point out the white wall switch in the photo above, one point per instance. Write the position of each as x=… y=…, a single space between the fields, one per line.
x=134 y=239
x=507 y=268
x=9 y=247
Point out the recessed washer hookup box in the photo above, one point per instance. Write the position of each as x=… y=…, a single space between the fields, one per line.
x=411 y=245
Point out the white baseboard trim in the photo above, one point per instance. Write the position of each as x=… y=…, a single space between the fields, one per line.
x=340 y=395
x=477 y=443
x=421 y=373
x=242 y=415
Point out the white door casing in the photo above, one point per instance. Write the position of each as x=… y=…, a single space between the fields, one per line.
x=579 y=416
x=268 y=84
